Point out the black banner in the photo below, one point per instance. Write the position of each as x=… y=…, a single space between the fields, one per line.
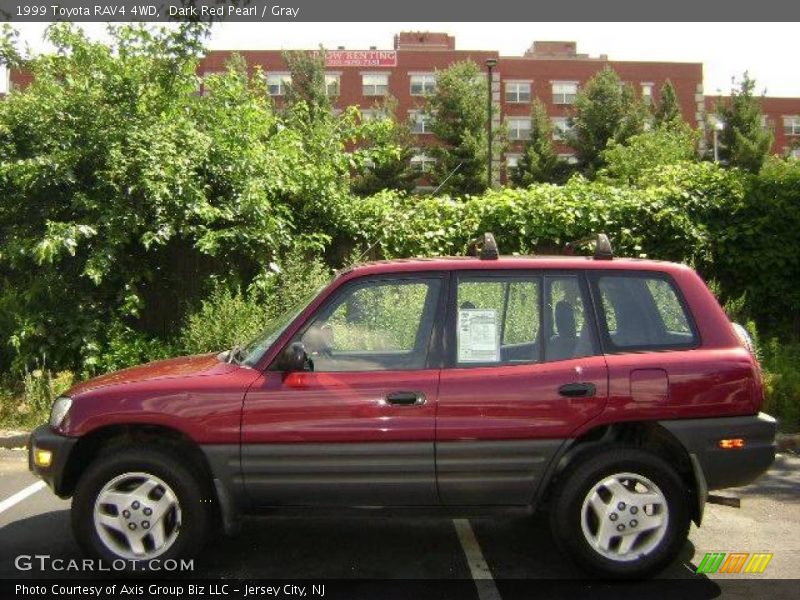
x=407 y=10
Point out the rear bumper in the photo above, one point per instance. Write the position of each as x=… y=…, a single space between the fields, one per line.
x=43 y=438
x=728 y=468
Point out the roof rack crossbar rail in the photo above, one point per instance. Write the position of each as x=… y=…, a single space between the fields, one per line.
x=602 y=246
x=485 y=248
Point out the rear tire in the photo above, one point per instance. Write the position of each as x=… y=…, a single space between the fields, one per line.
x=140 y=504
x=622 y=513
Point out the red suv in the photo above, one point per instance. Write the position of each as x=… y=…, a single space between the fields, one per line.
x=614 y=391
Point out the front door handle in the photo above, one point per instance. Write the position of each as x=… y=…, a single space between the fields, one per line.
x=406 y=398
x=578 y=390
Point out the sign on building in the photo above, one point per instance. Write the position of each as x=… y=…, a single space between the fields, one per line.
x=361 y=58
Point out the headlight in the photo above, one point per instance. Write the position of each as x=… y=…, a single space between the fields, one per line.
x=60 y=409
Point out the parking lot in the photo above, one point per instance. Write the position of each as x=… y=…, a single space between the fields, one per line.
x=492 y=557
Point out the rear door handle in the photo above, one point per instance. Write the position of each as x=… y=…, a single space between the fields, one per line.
x=578 y=390
x=406 y=398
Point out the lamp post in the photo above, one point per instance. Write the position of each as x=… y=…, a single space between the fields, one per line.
x=491 y=63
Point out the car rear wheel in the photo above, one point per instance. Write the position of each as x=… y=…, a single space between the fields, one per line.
x=139 y=505
x=621 y=513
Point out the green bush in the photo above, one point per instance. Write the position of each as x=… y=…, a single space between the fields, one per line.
x=124 y=347
x=29 y=402
x=230 y=316
x=781 y=364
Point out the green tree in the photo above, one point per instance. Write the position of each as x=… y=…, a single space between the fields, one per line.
x=668 y=110
x=383 y=160
x=606 y=110
x=458 y=116
x=539 y=161
x=124 y=190
x=308 y=84
x=744 y=140
x=667 y=144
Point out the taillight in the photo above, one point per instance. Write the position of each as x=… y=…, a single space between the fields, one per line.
x=744 y=338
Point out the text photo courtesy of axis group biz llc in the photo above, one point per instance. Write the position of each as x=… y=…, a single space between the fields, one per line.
x=355 y=300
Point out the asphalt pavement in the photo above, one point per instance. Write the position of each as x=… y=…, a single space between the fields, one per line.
x=492 y=556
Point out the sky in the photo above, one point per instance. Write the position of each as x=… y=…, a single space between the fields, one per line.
x=768 y=51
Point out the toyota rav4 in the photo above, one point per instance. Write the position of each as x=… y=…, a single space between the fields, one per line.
x=613 y=392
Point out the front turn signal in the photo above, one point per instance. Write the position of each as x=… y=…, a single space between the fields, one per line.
x=731 y=444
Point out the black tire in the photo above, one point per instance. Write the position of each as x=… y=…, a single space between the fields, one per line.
x=187 y=485
x=566 y=511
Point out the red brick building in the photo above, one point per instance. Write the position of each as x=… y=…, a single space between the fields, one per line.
x=551 y=71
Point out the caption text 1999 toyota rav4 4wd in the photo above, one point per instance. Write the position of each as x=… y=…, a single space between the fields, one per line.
x=614 y=391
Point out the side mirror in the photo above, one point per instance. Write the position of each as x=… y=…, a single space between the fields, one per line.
x=294 y=358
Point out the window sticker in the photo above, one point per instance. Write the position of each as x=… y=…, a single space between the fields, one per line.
x=478 y=339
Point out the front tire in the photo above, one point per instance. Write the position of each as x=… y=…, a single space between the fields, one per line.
x=138 y=505
x=622 y=513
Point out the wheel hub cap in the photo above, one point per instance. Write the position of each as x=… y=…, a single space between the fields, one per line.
x=624 y=517
x=137 y=516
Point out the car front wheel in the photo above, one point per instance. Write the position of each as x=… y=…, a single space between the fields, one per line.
x=139 y=505
x=622 y=513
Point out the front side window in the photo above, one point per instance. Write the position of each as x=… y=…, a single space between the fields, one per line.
x=375 y=84
x=643 y=312
x=382 y=325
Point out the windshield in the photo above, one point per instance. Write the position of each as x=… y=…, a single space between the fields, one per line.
x=254 y=350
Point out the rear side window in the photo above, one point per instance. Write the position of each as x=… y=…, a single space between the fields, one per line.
x=643 y=312
x=521 y=319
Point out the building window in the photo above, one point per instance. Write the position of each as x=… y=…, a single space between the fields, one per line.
x=568 y=158
x=375 y=84
x=423 y=84
x=795 y=152
x=422 y=163
x=519 y=128
x=561 y=128
x=791 y=125
x=647 y=93
x=564 y=92
x=277 y=82
x=373 y=114
x=518 y=92
x=512 y=160
x=420 y=122
x=333 y=84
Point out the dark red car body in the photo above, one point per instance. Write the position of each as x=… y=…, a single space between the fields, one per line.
x=492 y=435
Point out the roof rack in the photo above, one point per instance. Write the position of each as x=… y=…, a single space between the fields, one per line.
x=484 y=249
x=602 y=246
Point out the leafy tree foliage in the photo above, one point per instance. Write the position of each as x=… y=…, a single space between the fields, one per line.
x=606 y=110
x=124 y=189
x=308 y=82
x=539 y=161
x=668 y=110
x=670 y=143
x=744 y=141
x=458 y=115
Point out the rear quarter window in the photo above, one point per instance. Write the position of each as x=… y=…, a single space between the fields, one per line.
x=642 y=311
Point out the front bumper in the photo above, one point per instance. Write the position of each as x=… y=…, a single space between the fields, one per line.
x=733 y=467
x=44 y=438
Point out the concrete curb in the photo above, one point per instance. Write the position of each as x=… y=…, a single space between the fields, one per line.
x=14 y=439
x=19 y=439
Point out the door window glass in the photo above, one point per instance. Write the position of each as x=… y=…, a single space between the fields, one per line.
x=376 y=326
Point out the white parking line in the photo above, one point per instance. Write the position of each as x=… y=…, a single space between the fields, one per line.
x=21 y=495
x=481 y=574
